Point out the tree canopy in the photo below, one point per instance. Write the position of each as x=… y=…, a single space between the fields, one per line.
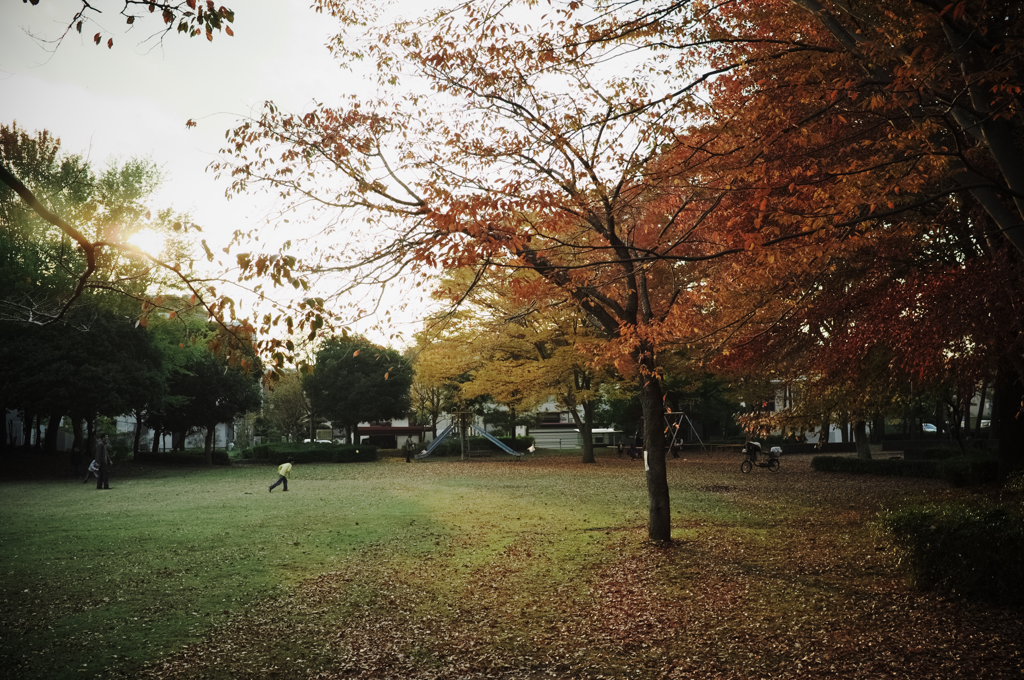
x=769 y=185
x=355 y=381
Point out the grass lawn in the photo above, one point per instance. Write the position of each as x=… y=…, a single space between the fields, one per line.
x=484 y=568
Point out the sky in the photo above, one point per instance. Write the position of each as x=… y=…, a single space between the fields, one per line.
x=135 y=99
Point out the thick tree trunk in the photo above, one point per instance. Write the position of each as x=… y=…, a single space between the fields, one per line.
x=136 y=444
x=52 y=427
x=211 y=433
x=79 y=438
x=878 y=429
x=586 y=427
x=1006 y=404
x=90 y=439
x=660 y=519
x=158 y=434
x=981 y=409
x=860 y=435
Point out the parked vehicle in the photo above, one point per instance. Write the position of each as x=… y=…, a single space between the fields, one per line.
x=754 y=456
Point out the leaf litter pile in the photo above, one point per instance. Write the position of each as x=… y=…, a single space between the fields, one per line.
x=768 y=576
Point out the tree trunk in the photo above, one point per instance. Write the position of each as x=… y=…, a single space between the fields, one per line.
x=90 y=439
x=211 y=433
x=878 y=430
x=660 y=520
x=955 y=406
x=7 y=430
x=52 y=428
x=79 y=438
x=981 y=409
x=860 y=435
x=1006 y=404
x=586 y=427
x=157 y=436
x=137 y=442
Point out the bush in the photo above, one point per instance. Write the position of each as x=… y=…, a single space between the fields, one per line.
x=311 y=453
x=187 y=457
x=975 y=468
x=975 y=552
x=969 y=471
x=453 y=447
x=943 y=453
x=888 y=467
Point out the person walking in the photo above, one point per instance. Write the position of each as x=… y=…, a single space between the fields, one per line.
x=102 y=462
x=283 y=470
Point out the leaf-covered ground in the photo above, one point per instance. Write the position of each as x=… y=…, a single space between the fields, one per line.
x=768 y=576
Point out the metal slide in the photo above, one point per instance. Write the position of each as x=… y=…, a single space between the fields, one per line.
x=497 y=442
x=433 y=445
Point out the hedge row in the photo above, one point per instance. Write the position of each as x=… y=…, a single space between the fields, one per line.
x=976 y=552
x=887 y=467
x=311 y=453
x=189 y=457
x=956 y=471
x=453 y=447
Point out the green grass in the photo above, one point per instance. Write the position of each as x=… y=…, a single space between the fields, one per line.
x=492 y=564
x=166 y=553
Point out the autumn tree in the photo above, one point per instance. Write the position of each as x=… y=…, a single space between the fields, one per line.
x=870 y=147
x=752 y=149
x=194 y=18
x=526 y=352
x=434 y=390
x=537 y=158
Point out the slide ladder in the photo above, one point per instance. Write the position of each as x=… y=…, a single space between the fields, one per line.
x=497 y=442
x=433 y=445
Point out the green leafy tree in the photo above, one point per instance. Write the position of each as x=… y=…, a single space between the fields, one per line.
x=355 y=381
x=286 y=406
x=102 y=364
x=44 y=271
x=208 y=391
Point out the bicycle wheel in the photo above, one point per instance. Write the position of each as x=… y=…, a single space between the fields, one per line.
x=773 y=465
x=746 y=466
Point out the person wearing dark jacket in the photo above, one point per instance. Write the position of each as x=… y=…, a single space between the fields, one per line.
x=102 y=462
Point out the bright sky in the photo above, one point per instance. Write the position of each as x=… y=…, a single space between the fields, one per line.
x=134 y=99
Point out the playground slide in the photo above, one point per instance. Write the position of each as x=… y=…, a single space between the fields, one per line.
x=433 y=445
x=497 y=442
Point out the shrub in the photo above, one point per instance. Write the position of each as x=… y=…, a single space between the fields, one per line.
x=976 y=552
x=187 y=457
x=121 y=445
x=311 y=453
x=944 y=453
x=888 y=467
x=970 y=470
x=453 y=447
